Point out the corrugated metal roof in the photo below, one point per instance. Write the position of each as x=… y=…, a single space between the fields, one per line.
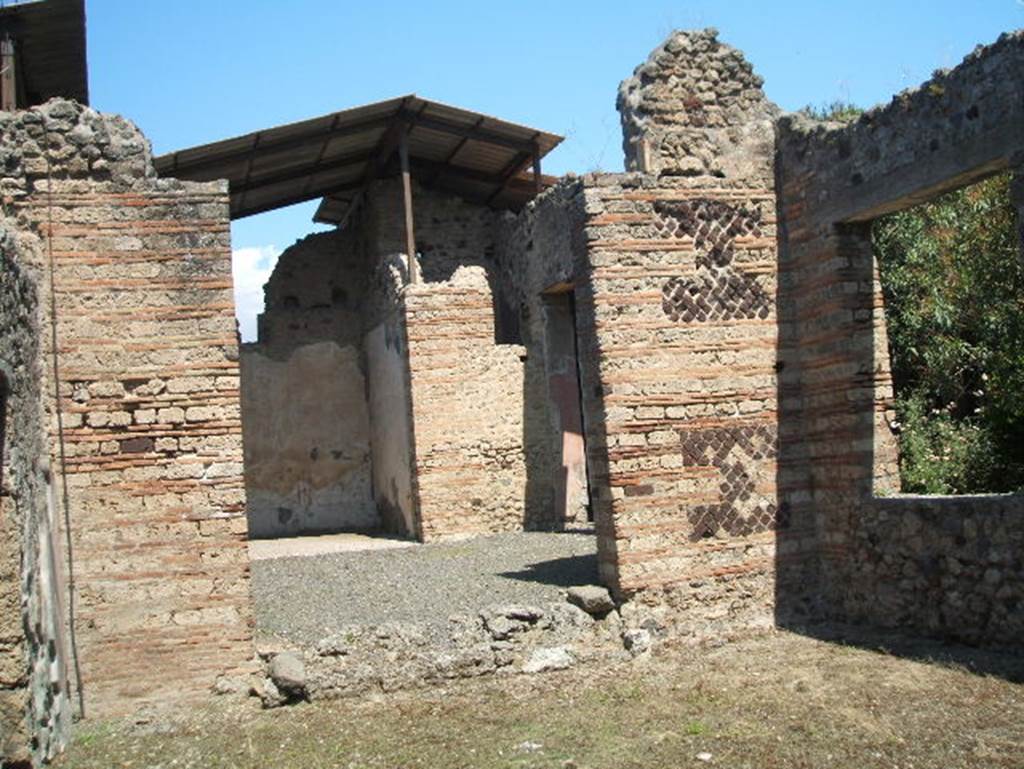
x=49 y=40
x=470 y=154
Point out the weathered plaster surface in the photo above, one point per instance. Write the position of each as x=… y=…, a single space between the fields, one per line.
x=307 y=441
x=391 y=428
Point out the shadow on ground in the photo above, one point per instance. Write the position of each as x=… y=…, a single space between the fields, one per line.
x=1005 y=664
x=560 y=572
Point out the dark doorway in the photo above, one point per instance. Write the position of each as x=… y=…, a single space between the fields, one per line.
x=572 y=487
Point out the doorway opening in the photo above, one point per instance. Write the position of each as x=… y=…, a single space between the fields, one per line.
x=572 y=482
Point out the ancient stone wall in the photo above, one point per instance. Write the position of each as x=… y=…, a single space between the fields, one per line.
x=673 y=274
x=148 y=358
x=677 y=338
x=683 y=276
x=391 y=425
x=315 y=294
x=538 y=249
x=845 y=543
x=304 y=403
x=944 y=566
x=425 y=356
x=454 y=398
x=307 y=441
x=450 y=232
x=696 y=108
x=467 y=408
x=35 y=713
x=960 y=126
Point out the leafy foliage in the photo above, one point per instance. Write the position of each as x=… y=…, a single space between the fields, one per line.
x=953 y=282
x=834 y=112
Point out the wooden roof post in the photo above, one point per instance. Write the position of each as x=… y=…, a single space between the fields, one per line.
x=410 y=237
x=8 y=80
x=538 y=183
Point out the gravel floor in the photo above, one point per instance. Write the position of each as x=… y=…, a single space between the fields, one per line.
x=307 y=598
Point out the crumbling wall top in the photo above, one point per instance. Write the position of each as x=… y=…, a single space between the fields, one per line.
x=63 y=139
x=695 y=108
x=959 y=126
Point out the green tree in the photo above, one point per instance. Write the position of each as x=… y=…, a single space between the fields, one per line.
x=953 y=283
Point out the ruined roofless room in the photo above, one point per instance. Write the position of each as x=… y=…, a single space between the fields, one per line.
x=490 y=421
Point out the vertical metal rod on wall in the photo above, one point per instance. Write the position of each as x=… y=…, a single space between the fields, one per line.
x=410 y=237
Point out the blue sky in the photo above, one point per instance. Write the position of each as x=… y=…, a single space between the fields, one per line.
x=194 y=71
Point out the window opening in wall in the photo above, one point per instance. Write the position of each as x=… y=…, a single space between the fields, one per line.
x=507 y=327
x=952 y=281
x=572 y=484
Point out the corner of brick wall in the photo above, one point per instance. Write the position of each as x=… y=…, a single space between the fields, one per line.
x=683 y=287
x=854 y=550
x=149 y=395
x=467 y=402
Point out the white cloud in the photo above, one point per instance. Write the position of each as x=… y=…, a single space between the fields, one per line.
x=251 y=267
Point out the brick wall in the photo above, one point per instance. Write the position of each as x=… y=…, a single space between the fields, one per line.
x=149 y=393
x=466 y=393
x=683 y=285
x=938 y=565
x=467 y=407
x=673 y=271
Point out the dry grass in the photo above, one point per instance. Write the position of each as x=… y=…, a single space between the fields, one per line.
x=784 y=700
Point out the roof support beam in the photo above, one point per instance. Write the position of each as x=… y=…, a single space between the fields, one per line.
x=410 y=237
x=519 y=164
x=386 y=147
x=538 y=178
x=390 y=141
x=302 y=197
x=461 y=172
x=248 y=168
x=353 y=207
x=299 y=172
x=324 y=146
x=8 y=79
x=451 y=155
